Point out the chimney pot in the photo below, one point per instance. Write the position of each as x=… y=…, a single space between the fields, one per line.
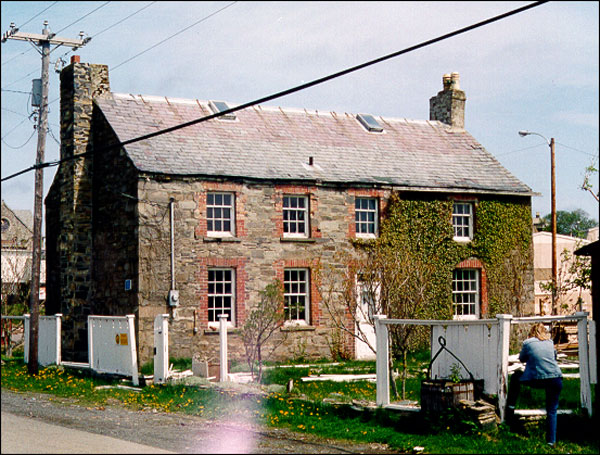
x=455 y=81
x=75 y=59
x=446 y=81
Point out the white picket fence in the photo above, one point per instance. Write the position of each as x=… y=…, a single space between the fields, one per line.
x=483 y=346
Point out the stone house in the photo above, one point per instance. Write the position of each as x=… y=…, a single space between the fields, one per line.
x=260 y=194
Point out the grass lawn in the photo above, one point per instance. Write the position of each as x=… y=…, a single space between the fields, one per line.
x=304 y=411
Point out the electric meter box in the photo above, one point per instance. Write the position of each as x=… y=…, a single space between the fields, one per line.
x=173 y=298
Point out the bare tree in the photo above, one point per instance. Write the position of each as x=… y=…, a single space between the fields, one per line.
x=574 y=276
x=397 y=274
x=260 y=326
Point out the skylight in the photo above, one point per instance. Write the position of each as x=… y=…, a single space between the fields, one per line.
x=369 y=122
x=220 y=106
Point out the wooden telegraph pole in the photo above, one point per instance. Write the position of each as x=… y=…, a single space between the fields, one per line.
x=42 y=44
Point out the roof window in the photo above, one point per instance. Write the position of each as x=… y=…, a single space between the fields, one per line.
x=221 y=106
x=369 y=122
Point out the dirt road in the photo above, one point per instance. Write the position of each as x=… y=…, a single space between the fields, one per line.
x=174 y=432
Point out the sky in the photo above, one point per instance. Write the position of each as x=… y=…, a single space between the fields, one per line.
x=536 y=70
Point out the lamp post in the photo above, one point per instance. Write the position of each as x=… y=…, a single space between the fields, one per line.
x=552 y=211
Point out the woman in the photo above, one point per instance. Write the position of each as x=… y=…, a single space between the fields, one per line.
x=541 y=371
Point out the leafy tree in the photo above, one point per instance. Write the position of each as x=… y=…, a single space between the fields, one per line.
x=261 y=324
x=587 y=184
x=574 y=223
x=574 y=276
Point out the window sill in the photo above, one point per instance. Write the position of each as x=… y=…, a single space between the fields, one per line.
x=462 y=239
x=224 y=239
x=215 y=331
x=298 y=239
x=298 y=328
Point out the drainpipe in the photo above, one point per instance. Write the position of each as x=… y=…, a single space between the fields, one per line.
x=172 y=225
x=173 y=296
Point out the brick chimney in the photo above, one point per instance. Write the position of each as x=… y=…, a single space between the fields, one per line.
x=448 y=106
x=69 y=206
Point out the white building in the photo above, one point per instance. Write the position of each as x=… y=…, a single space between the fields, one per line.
x=542 y=264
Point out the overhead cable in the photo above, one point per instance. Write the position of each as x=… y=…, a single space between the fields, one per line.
x=174 y=35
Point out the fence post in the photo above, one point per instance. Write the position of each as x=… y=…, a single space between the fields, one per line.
x=502 y=367
x=133 y=349
x=223 y=347
x=382 y=361
x=90 y=342
x=26 y=338
x=161 y=349
x=584 y=362
x=58 y=338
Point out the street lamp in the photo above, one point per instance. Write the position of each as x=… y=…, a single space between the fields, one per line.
x=553 y=212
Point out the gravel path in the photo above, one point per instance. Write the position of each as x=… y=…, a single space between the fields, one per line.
x=176 y=432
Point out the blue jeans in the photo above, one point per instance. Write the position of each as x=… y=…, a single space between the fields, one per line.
x=552 y=386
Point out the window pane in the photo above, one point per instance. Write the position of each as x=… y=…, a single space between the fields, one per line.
x=219 y=212
x=365 y=215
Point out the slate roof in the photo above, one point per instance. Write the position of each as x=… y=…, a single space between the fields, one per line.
x=275 y=143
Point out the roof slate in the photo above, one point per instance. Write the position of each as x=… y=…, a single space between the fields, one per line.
x=267 y=143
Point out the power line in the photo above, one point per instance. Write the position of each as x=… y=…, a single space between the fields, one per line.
x=175 y=34
x=288 y=91
x=45 y=9
x=20 y=146
x=22 y=25
x=83 y=17
x=576 y=150
x=106 y=29
x=124 y=19
x=16 y=91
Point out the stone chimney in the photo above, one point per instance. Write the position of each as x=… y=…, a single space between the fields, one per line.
x=448 y=106
x=69 y=207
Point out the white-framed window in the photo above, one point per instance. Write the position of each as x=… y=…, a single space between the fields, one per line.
x=221 y=295
x=295 y=216
x=462 y=221
x=466 y=293
x=366 y=216
x=296 y=296
x=220 y=214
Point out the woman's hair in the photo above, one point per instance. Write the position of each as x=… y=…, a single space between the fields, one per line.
x=539 y=331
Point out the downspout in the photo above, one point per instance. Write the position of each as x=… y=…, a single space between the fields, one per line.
x=173 y=296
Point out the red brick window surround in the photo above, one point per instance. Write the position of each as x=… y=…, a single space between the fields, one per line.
x=221 y=210
x=359 y=212
x=290 y=216
x=469 y=290
x=221 y=283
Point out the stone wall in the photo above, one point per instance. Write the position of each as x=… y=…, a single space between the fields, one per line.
x=258 y=254
x=69 y=207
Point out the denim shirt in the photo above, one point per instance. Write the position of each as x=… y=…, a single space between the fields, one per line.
x=540 y=359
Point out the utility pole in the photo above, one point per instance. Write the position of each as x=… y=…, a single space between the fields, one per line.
x=553 y=227
x=42 y=44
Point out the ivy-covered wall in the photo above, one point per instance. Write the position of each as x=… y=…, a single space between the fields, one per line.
x=502 y=242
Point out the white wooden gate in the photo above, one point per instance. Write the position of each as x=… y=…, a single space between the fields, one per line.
x=111 y=345
x=49 y=341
